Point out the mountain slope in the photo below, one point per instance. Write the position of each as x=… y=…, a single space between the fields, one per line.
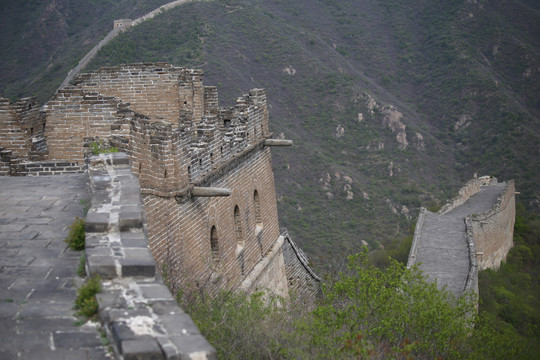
x=391 y=104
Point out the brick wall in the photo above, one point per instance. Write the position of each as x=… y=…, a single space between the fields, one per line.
x=5 y=162
x=117 y=250
x=158 y=90
x=180 y=229
x=178 y=140
x=493 y=231
x=41 y=168
x=20 y=124
x=76 y=118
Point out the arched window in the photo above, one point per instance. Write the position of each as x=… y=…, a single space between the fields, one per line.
x=238 y=228
x=257 y=203
x=214 y=244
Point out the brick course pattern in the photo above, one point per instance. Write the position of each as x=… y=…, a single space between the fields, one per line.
x=21 y=128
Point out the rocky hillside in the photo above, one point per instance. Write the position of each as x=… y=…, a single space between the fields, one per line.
x=392 y=104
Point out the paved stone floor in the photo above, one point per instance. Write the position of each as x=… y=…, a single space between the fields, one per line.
x=38 y=273
x=443 y=253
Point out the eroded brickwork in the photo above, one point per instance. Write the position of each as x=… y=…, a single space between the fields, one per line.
x=21 y=128
x=76 y=118
x=159 y=90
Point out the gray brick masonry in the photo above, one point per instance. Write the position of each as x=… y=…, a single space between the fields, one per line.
x=138 y=311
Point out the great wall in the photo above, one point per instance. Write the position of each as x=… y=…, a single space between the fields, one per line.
x=188 y=202
x=472 y=232
x=189 y=197
x=118 y=26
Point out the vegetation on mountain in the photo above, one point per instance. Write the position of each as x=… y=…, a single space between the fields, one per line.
x=366 y=313
x=349 y=82
x=43 y=40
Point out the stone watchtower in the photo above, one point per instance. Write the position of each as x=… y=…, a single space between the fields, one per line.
x=205 y=171
x=122 y=24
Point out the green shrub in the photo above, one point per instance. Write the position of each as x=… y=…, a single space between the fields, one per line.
x=98 y=147
x=86 y=303
x=81 y=269
x=76 y=236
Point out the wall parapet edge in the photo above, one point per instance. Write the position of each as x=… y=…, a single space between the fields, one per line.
x=140 y=315
x=465 y=192
x=502 y=201
x=495 y=227
x=416 y=237
x=471 y=284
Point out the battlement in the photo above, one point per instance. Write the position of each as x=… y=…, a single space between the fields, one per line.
x=122 y=24
x=162 y=116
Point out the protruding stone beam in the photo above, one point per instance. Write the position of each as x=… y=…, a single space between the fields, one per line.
x=277 y=142
x=210 y=192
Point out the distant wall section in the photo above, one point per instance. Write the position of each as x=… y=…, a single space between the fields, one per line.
x=493 y=230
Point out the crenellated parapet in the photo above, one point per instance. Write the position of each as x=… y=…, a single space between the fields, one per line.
x=161 y=115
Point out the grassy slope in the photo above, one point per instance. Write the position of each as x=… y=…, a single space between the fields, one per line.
x=413 y=56
x=432 y=60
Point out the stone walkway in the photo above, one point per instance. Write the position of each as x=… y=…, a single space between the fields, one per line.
x=38 y=273
x=442 y=252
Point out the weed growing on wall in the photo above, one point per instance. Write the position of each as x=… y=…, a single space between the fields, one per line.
x=98 y=147
x=86 y=303
x=81 y=269
x=76 y=236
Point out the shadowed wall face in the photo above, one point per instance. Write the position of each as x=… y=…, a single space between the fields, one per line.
x=493 y=231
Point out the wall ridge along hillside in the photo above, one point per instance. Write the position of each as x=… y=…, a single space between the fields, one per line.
x=119 y=26
x=452 y=245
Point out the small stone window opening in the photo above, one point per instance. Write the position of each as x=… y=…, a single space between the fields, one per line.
x=227 y=122
x=31 y=131
x=212 y=158
x=262 y=129
x=258 y=216
x=214 y=244
x=165 y=174
x=238 y=229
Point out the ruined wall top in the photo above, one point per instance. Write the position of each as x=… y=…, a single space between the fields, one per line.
x=159 y=114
